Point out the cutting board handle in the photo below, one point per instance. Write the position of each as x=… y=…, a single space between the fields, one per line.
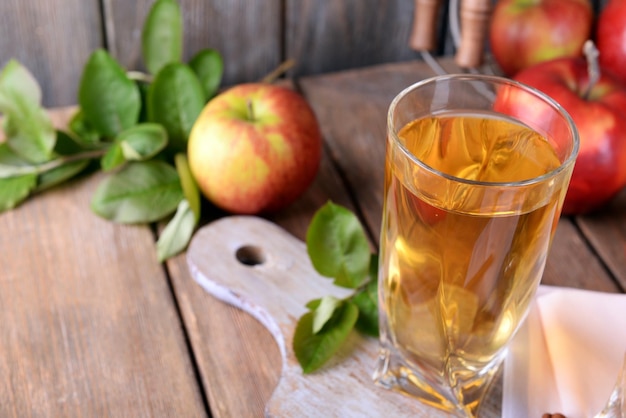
x=257 y=266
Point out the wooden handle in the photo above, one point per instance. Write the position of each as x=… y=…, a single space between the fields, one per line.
x=275 y=292
x=424 y=36
x=474 y=25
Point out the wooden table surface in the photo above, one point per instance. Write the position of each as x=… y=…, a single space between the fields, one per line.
x=92 y=325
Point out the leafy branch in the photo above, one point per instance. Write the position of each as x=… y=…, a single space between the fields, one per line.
x=338 y=248
x=134 y=124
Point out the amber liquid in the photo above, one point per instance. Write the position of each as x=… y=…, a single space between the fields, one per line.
x=460 y=262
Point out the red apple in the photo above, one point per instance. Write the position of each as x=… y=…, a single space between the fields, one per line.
x=526 y=32
x=611 y=38
x=600 y=117
x=255 y=148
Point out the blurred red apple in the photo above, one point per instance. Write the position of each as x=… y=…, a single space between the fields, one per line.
x=599 y=114
x=255 y=148
x=526 y=32
x=611 y=38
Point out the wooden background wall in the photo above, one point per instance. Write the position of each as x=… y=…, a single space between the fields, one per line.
x=53 y=38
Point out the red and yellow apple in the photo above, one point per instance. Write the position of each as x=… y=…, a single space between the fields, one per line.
x=611 y=38
x=526 y=32
x=599 y=114
x=255 y=148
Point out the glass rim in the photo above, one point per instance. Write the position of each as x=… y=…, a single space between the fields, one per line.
x=494 y=80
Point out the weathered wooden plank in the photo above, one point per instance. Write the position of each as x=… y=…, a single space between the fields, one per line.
x=123 y=22
x=247 y=33
x=571 y=262
x=88 y=325
x=353 y=107
x=53 y=39
x=237 y=358
x=325 y=36
x=606 y=230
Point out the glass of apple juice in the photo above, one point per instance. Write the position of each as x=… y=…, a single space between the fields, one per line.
x=476 y=171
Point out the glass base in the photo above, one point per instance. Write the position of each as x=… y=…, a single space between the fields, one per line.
x=459 y=390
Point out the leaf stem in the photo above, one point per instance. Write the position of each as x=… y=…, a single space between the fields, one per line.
x=88 y=155
x=140 y=76
x=278 y=71
x=50 y=165
x=362 y=286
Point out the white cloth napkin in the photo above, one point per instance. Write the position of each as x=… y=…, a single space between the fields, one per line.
x=567 y=355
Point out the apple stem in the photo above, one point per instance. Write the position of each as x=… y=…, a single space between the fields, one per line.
x=593 y=66
x=250 y=110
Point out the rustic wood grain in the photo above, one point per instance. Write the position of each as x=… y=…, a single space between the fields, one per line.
x=606 y=230
x=238 y=359
x=572 y=263
x=123 y=22
x=88 y=324
x=53 y=39
x=329 y=35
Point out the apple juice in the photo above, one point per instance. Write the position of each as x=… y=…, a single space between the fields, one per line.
x=461 y=256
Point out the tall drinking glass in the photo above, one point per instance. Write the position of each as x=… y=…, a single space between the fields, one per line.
x=476 y=171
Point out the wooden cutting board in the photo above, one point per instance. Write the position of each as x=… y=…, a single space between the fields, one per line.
x=255 y=265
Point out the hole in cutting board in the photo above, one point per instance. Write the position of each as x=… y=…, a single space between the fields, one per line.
x=250 y=255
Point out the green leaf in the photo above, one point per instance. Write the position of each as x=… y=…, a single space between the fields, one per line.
x=190 y=187
x=15 y=190
x=324 y=311
x=28 y=128
x=177 y=233
x=337 y=246
x=60 y=174
x=373 y=268
x=109 y=100
x=8 y=171
x=50 y=173
x=314 y=349
x=82 y=132
x=140 y=192
x=113 y=158
x=66 y=144
x=9 y=157
x=313 y=304
x=12 y=165
x=208 y=65
x=16 y=82
x=144 y=87
x=162 y=35
x=143 y=141
x=367 y=302
x=175 y=100
x=138 y=143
